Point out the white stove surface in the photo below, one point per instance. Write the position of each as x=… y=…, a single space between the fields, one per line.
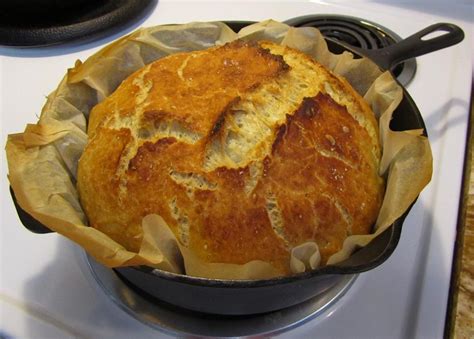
x=46 y=290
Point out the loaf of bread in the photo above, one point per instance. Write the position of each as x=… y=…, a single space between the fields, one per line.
x=245 y=150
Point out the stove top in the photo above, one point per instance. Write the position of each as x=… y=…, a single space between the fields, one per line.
x=48 y=290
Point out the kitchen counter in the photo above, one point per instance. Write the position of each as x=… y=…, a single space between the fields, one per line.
x=461 y=321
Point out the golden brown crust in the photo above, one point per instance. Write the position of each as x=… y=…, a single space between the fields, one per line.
x=204 y=83
x=245 y=151
x=320 y=172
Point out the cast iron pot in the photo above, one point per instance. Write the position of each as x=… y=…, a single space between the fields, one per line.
x=243 y=297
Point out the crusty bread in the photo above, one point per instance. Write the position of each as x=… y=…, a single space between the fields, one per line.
x=245 y=150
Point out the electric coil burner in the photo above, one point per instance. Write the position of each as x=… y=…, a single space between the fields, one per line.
x=359 y=34
x=35 y=23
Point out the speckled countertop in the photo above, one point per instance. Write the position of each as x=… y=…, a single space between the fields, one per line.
x=460 y=321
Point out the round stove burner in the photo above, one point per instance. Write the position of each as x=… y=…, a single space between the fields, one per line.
x=177 y=321
x=38 y=23
x=358 y=33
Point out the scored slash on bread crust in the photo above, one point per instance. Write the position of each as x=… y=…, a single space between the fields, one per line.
x=245 y=150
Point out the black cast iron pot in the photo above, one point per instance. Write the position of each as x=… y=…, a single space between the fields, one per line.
x=241 y=297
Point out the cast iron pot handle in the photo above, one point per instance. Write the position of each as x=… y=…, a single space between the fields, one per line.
x=415 y=45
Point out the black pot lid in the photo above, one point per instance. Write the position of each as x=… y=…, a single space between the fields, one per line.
x=43 y=25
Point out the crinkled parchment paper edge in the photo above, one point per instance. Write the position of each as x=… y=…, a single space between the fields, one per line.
x=43 y=160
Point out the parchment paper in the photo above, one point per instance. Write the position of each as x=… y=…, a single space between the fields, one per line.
x=43 y=159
